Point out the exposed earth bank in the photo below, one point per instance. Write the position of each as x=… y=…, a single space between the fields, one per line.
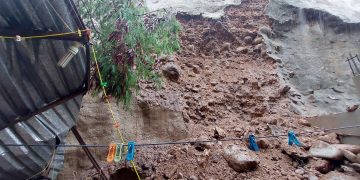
x=223 y=84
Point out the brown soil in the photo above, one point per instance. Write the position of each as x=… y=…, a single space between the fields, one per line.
x=221 y=85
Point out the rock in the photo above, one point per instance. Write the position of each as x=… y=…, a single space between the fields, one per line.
x=324 y=150
x=258 y=40
x=257 y=48
x=193 y=177
x=265 y=30
x=171 y=71
x=219 y=133
x=350 y=156
x=179 y=176
x=241 y=160
x=323 y=166
x=300 y=171
x=295 y=153
x=248 y=40
x=352 y=108
x=226 y=47
x=304 y=122
x=263 y=143
x=334 y=175
x=196 y=69
x=356 y=167
x=352 y=148
x=243 y=50
x=330 y=138
x=284 y=90
x=191 y=48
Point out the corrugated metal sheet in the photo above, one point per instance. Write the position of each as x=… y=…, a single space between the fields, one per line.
x=30 y=80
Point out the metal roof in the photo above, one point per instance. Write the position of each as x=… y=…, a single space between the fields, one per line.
x=39 y=101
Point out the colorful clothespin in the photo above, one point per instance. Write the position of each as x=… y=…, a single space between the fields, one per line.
x=293 y=139
x=131 y=151
x=252 y=143
x=118 y=154
x=103 y=84
x=111 y=153
x=18 y=38
x=79 y=32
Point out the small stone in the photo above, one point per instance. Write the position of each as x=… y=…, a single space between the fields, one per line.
x=248 y=40
x=243 y=50
x=193 y=177
x=352 y=108
x=196 y=69
x=356 y=167
x=304 y=122
x=284 y=89
x=263 y=143
x=300 y=171
x=241 y=160
x=258 y=40
x=226 y=47
x=179 y=176
x=191 y=48
x=219 y=133
x=171 y=71
x=265 y=30
x=257 y=48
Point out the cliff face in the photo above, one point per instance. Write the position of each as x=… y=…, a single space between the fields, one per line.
x=311 y=41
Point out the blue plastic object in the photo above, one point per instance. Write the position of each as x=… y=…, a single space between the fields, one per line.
x=131 y=151
x=293 y=139
x=252 y=143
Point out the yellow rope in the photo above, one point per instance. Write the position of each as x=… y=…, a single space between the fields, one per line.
x=43 y=36
x=110 y=108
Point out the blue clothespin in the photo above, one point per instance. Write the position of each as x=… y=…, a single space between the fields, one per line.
x=252 y=143
x=293 y=139
x=131 y=151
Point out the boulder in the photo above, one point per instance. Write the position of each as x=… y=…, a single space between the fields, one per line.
x=324 y=150
x=241 y=160
x=334 y=175
x=171 y=71
x=352 y=148
x=350 y=156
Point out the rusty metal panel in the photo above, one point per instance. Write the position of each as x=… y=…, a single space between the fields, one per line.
x=30 y=80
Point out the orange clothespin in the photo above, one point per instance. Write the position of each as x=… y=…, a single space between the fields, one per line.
x=111 y=153
x=116 y=125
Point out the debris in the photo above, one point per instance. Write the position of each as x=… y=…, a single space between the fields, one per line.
x=241 y=160
x=352 y=108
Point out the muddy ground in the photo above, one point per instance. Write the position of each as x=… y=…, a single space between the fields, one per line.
x=228 y=82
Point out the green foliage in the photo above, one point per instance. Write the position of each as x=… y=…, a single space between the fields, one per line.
x=128 y=42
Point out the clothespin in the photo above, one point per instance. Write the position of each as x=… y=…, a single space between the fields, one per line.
x=293 y=139
x=131 y=151
x=103 y=84
x=111 y=153
x=118 y=154
x=79 y=32
x=252 y=143
x=18 y=38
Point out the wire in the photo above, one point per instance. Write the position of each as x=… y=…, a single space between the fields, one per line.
x=180 y=142
x=46 y=167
